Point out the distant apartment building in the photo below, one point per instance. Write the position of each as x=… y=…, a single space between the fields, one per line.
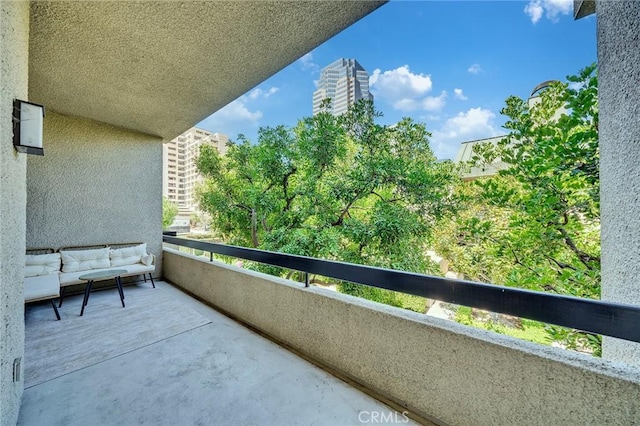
x=466 y=153
x=180 y=176
x=344 y=82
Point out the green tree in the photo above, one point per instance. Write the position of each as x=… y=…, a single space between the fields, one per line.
x=536 y=224
x=332 y=187
x=169 y=212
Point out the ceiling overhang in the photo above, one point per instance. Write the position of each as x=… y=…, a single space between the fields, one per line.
x=161 y=67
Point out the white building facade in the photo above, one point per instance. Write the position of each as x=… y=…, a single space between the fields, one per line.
x=180 y=176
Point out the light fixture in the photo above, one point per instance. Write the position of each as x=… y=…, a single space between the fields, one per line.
x=28 y=119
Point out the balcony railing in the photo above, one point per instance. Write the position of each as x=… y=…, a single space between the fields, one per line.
x=592 y=316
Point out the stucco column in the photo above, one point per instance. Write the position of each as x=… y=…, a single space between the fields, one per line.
x=14 y=54
x=619 y=128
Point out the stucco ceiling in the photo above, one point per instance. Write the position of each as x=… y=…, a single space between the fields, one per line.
x=161 y=67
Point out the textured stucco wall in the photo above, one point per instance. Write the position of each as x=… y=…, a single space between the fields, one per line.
x=14 y=51
x=95 y=184
x=619 y=102
x=438 y=369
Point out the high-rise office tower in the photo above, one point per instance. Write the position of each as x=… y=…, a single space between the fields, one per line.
x=344 y=82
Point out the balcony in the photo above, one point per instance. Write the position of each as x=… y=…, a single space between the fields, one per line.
x=167 y=359
x=443 y=370
x=300 y=354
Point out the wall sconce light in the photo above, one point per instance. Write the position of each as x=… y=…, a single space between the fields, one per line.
x=28 y=120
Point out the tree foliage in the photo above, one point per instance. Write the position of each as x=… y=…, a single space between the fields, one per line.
x=169 y=212
x=331 y=187
x=536 y=224
x=347 y=188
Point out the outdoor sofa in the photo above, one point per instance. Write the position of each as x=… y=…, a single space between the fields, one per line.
x=48 y=273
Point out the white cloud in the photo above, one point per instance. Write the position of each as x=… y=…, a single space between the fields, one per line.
x=306 y=62
x=258 y=92
x=400 y=83
x=238 y=116
x=428 y=103
x=238 y=111
x=255 y=93
x=406 y=91
x=235 y=115
x=576 y=85
x=549 y=8
x=434 y=103
x=459 y=95
x=475 y=69
x=406 y=104
x=535 y=11
x=271 y=91
x=476 y=123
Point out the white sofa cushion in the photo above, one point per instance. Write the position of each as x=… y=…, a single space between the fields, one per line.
x=41 y=287
x=70 y=278
x=83 y=260
x=127 y=255
x=139 y=269
x=41 y=264
x=147 y=259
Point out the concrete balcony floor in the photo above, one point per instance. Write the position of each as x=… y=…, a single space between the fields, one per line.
x=167 y=359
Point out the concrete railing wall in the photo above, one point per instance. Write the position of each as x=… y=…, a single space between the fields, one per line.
x=440 y=370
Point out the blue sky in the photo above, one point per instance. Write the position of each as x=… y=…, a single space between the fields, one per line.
x=448 y=64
